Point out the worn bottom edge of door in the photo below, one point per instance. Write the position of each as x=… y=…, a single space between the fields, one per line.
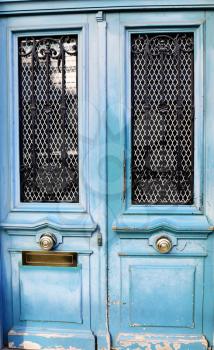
x=42 y=341
x=160 y=342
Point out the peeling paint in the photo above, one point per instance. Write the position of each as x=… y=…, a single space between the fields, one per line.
x=54 y=335
x=29 y=345
x=44 y=335
x=11 y=345
x=62 y=348
x=165 y=346
x=116 y=302
x=34 y=346
x=12 y=332
x=159 y=342
x=177 y=346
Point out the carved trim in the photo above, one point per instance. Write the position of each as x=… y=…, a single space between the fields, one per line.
x=187 y=224
x=29 y=6
x=100 y=16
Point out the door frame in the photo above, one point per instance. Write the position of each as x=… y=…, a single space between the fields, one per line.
x=31 y=7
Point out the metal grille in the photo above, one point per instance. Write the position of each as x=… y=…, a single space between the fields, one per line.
x=48 y=103
x=162 y=75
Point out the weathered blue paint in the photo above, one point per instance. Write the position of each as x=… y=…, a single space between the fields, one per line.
x=30 y=295
x=33 y=282
x=156 y=302
x=160 y=342
x=162 y=301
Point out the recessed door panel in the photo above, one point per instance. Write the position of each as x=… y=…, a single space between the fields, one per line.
x=64 y=296
x=154 y=300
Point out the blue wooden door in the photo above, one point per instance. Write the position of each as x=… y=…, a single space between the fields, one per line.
x=159 y=121
x=106 y=177
x=52 y=199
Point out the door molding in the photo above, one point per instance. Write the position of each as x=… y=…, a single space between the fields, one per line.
x=38 y=6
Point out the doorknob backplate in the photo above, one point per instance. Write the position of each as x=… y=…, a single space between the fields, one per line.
x=163 y=242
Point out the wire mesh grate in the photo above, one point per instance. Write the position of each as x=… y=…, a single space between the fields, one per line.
x=162 y=93
x=48 y=101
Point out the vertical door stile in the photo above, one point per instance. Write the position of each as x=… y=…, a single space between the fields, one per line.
x=101 y=74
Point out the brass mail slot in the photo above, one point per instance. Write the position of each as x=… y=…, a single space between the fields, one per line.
x=34 y=258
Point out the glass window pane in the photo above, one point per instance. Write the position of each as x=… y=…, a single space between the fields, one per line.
x=162 y=93
x=48 y=102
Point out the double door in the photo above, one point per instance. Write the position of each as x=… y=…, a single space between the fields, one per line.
x=106 y=180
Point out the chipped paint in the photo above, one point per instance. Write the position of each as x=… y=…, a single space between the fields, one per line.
x=34 y=346
x=54 y=335
x=11 y=345
x=116 y=302
x=165 y=346
x=62 y=348
x=29 y=345
x=44 y=335
x=12 y=332
x=159 y=342
x=177 y=346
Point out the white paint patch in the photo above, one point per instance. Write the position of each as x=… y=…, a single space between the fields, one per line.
x=29 y=345
x=61 y=348
x=177 y=346
x=160 y=342
x=11 y=345
x=12 y=332
x=54 y=335
x=165 y=346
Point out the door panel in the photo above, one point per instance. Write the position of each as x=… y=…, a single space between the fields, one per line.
x=157 y=248
x=48 y=302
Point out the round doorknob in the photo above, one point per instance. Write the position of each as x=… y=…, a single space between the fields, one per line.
x=163 y=245
x=47 y=241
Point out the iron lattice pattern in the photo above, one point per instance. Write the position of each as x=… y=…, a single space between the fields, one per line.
x=162 y=70
x=48 y=119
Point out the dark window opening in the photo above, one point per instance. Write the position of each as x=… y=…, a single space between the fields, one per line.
x=48 y=103
x=162 y=105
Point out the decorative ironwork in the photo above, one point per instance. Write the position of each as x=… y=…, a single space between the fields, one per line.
x=48 y=119
x=162 y=73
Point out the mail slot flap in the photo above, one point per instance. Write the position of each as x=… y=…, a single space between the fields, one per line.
x=49 y=258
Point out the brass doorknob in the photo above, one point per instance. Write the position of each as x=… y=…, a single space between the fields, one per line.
x=163 y=245
x=47 y=241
